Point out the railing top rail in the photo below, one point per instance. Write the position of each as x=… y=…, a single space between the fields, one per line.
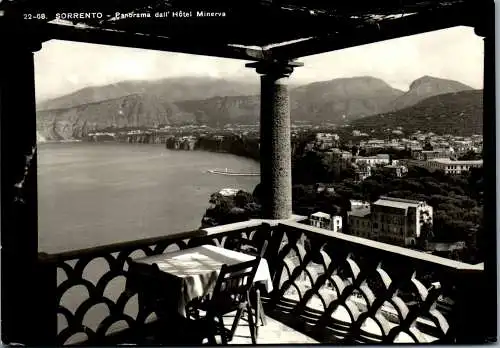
x=387 y=248
x=115 y=247
x=248 y=224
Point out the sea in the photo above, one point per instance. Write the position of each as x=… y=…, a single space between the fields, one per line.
x=92 y=194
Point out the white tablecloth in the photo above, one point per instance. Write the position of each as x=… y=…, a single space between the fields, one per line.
x=198 y=269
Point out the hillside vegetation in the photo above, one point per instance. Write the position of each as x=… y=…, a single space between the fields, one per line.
x=454 y=113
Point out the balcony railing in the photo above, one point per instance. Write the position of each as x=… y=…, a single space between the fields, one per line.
x=333 y=287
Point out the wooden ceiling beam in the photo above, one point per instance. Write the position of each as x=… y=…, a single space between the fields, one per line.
x=381 y=31
x=125 y=39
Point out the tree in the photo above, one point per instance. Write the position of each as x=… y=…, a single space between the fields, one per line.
x=426 y=236
x=243 y=198
x=427 y=146
x=470 y=155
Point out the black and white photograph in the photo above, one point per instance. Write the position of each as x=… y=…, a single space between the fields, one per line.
x=266 y=173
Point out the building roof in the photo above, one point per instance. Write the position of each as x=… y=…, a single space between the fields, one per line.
x=320 y=214
x=360 y=211
x=259 y=29
x=449 y=161
x=394 y=166
x=376 y=157
x=397 y=202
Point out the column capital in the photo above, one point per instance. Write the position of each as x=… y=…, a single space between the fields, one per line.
x=274 y=67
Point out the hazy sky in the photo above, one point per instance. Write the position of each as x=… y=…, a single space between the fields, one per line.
x=63 y=67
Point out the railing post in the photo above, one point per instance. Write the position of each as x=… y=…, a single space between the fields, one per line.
x=46 y=298
x=472 y=307
x=275 y=235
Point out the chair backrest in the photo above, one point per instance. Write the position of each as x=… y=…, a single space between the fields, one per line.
x=256 y=246
x=235 y=280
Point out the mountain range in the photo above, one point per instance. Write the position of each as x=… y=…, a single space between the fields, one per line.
x=216 y=102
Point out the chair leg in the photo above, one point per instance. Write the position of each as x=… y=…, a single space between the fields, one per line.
x=236 y=321
x=257 y=311
x=262 y=315
x=223 y=335
x=251 y=323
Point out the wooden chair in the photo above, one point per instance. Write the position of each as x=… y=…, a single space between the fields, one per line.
x=256 y=247
x=231 y=293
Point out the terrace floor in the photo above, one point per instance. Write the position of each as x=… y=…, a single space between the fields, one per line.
x=274 y=332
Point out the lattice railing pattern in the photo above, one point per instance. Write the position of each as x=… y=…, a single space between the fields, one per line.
x=93 y=302
x=344 y=289
x=332 y=286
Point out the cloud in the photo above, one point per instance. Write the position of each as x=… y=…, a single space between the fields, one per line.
x=457 y=53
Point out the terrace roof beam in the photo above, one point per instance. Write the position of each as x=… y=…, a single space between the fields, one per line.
x=159 y=43
x=386 y=29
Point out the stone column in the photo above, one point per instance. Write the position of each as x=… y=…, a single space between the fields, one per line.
x=275 y=142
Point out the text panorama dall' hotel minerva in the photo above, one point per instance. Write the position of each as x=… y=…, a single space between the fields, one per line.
x=121 y=15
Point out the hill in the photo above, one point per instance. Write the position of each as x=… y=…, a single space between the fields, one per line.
x=165 y=90
x=458 y=113
x=423 y=88
x=342 y=99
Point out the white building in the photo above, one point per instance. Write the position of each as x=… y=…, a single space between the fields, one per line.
x=326 y=221
x=359 y=204
x=229 y=192
x=396 y=169
x=452 y=167
x=381 y=159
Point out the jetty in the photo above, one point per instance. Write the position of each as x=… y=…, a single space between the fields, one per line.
x=230 y=173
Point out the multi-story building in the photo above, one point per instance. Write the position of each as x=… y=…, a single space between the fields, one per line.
x=399 y=221
x=380 y=159
x=362 y=171
x=433 y=154
x=462 y=146
x=390 y=220
x=375 y=143
x=358 y=204
x=359 y=220
x=452 y=167
x=326 y=221
x=396 y=170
